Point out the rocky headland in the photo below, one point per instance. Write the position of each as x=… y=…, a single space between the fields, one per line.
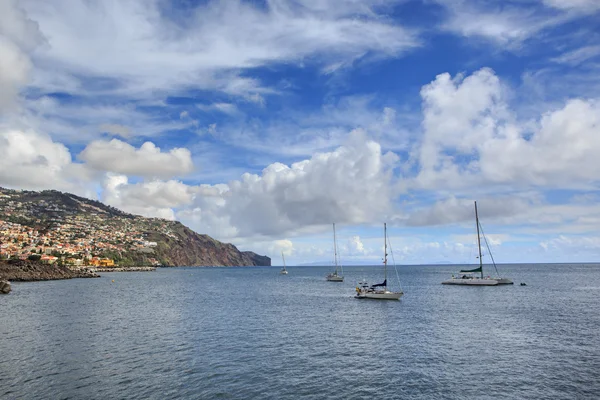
x=62 y=228
x=26 y=271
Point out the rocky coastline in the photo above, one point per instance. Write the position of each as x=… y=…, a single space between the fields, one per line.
x=28 y=271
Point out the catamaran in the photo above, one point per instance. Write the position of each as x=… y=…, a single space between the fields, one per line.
x=468 y=277
x=334 y=276
x=283 y=270
x=379 y=291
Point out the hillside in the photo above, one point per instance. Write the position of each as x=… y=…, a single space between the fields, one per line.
x=66 y=229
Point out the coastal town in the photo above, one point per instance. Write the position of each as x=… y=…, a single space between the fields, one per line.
x=76 y=235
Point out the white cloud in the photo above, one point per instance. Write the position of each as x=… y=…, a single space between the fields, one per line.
x=150 y=199
x=453 y=210
x=139 y=47
x=225 y=108
x=574 y=5
x=348 y=185
x=31 y=160
x=18 y=36
x=116 y=129
x=147 y=161
x=472 y=137
x=578 y=56
x=510 y=24
x=355 y=247
x=86 y=119
x=574 y=245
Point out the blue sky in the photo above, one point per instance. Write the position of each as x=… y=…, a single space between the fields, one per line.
x=261 y=123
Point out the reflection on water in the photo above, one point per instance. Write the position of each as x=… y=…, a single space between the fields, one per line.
x=252 y=333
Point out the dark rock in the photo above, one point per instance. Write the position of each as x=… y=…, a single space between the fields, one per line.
x=4 y=287
x=26 y=270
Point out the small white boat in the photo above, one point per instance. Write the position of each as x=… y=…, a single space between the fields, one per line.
x=334 y=276
x=379 y=291
x=283 y=270
x=467 y=277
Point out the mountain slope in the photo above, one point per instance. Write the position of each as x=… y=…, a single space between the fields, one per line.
x=70 y=227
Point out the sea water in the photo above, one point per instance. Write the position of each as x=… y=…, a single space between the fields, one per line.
x=251 y=333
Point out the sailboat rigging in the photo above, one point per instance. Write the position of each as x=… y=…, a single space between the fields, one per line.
x=283 y=270
x=379 y=291
x=467 y=277
x=335 y=277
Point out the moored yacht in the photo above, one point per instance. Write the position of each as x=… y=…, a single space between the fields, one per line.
x=467 y=277
x=335 y=276
x=379 y=291
x=283 y=270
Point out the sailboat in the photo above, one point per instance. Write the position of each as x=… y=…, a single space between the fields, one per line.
x=335 y=277
x=283 y=270
x=379 y=291
x=468 y=277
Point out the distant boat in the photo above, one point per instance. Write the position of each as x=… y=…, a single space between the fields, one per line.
x=283 y=270
x=335 y=277
x=378 y=291
x=467 y=277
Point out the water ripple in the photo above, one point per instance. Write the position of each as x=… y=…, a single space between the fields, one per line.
x=251 y=333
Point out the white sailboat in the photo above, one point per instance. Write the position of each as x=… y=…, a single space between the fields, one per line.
x=334 y=276
x=378 y=291
x=468 y=277
x=283 y=270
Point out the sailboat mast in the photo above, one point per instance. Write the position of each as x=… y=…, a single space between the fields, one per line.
x=385 y=253
x=335 y=257
x=282 y=256
x=478 y=241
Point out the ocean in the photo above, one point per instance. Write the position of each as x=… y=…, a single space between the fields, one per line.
x=250 y=333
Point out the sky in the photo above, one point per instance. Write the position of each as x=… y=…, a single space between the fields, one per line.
x=263 y=122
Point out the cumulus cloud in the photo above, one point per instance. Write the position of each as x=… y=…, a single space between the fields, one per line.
x=348 y=185
x=18 y=36
x=31 y=160
x=351 y=184
x=355 y=246
x=150 y=199
x=147 y=161
x=472 y=136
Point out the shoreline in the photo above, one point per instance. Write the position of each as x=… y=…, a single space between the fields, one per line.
x=121 y=269
x=31 y=271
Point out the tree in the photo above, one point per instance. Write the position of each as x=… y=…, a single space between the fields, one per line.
x=34 y=257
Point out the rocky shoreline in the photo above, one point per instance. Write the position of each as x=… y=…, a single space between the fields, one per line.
x=28 y=271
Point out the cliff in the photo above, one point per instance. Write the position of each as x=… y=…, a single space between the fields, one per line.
x=184 y=247
x=19 y=270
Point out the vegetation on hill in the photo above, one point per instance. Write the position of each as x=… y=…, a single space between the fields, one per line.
x=65 y=228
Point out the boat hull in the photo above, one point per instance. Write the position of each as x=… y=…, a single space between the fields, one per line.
x=471 y=282
x=380 y=295
x=504 y=281
x=335 y=278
